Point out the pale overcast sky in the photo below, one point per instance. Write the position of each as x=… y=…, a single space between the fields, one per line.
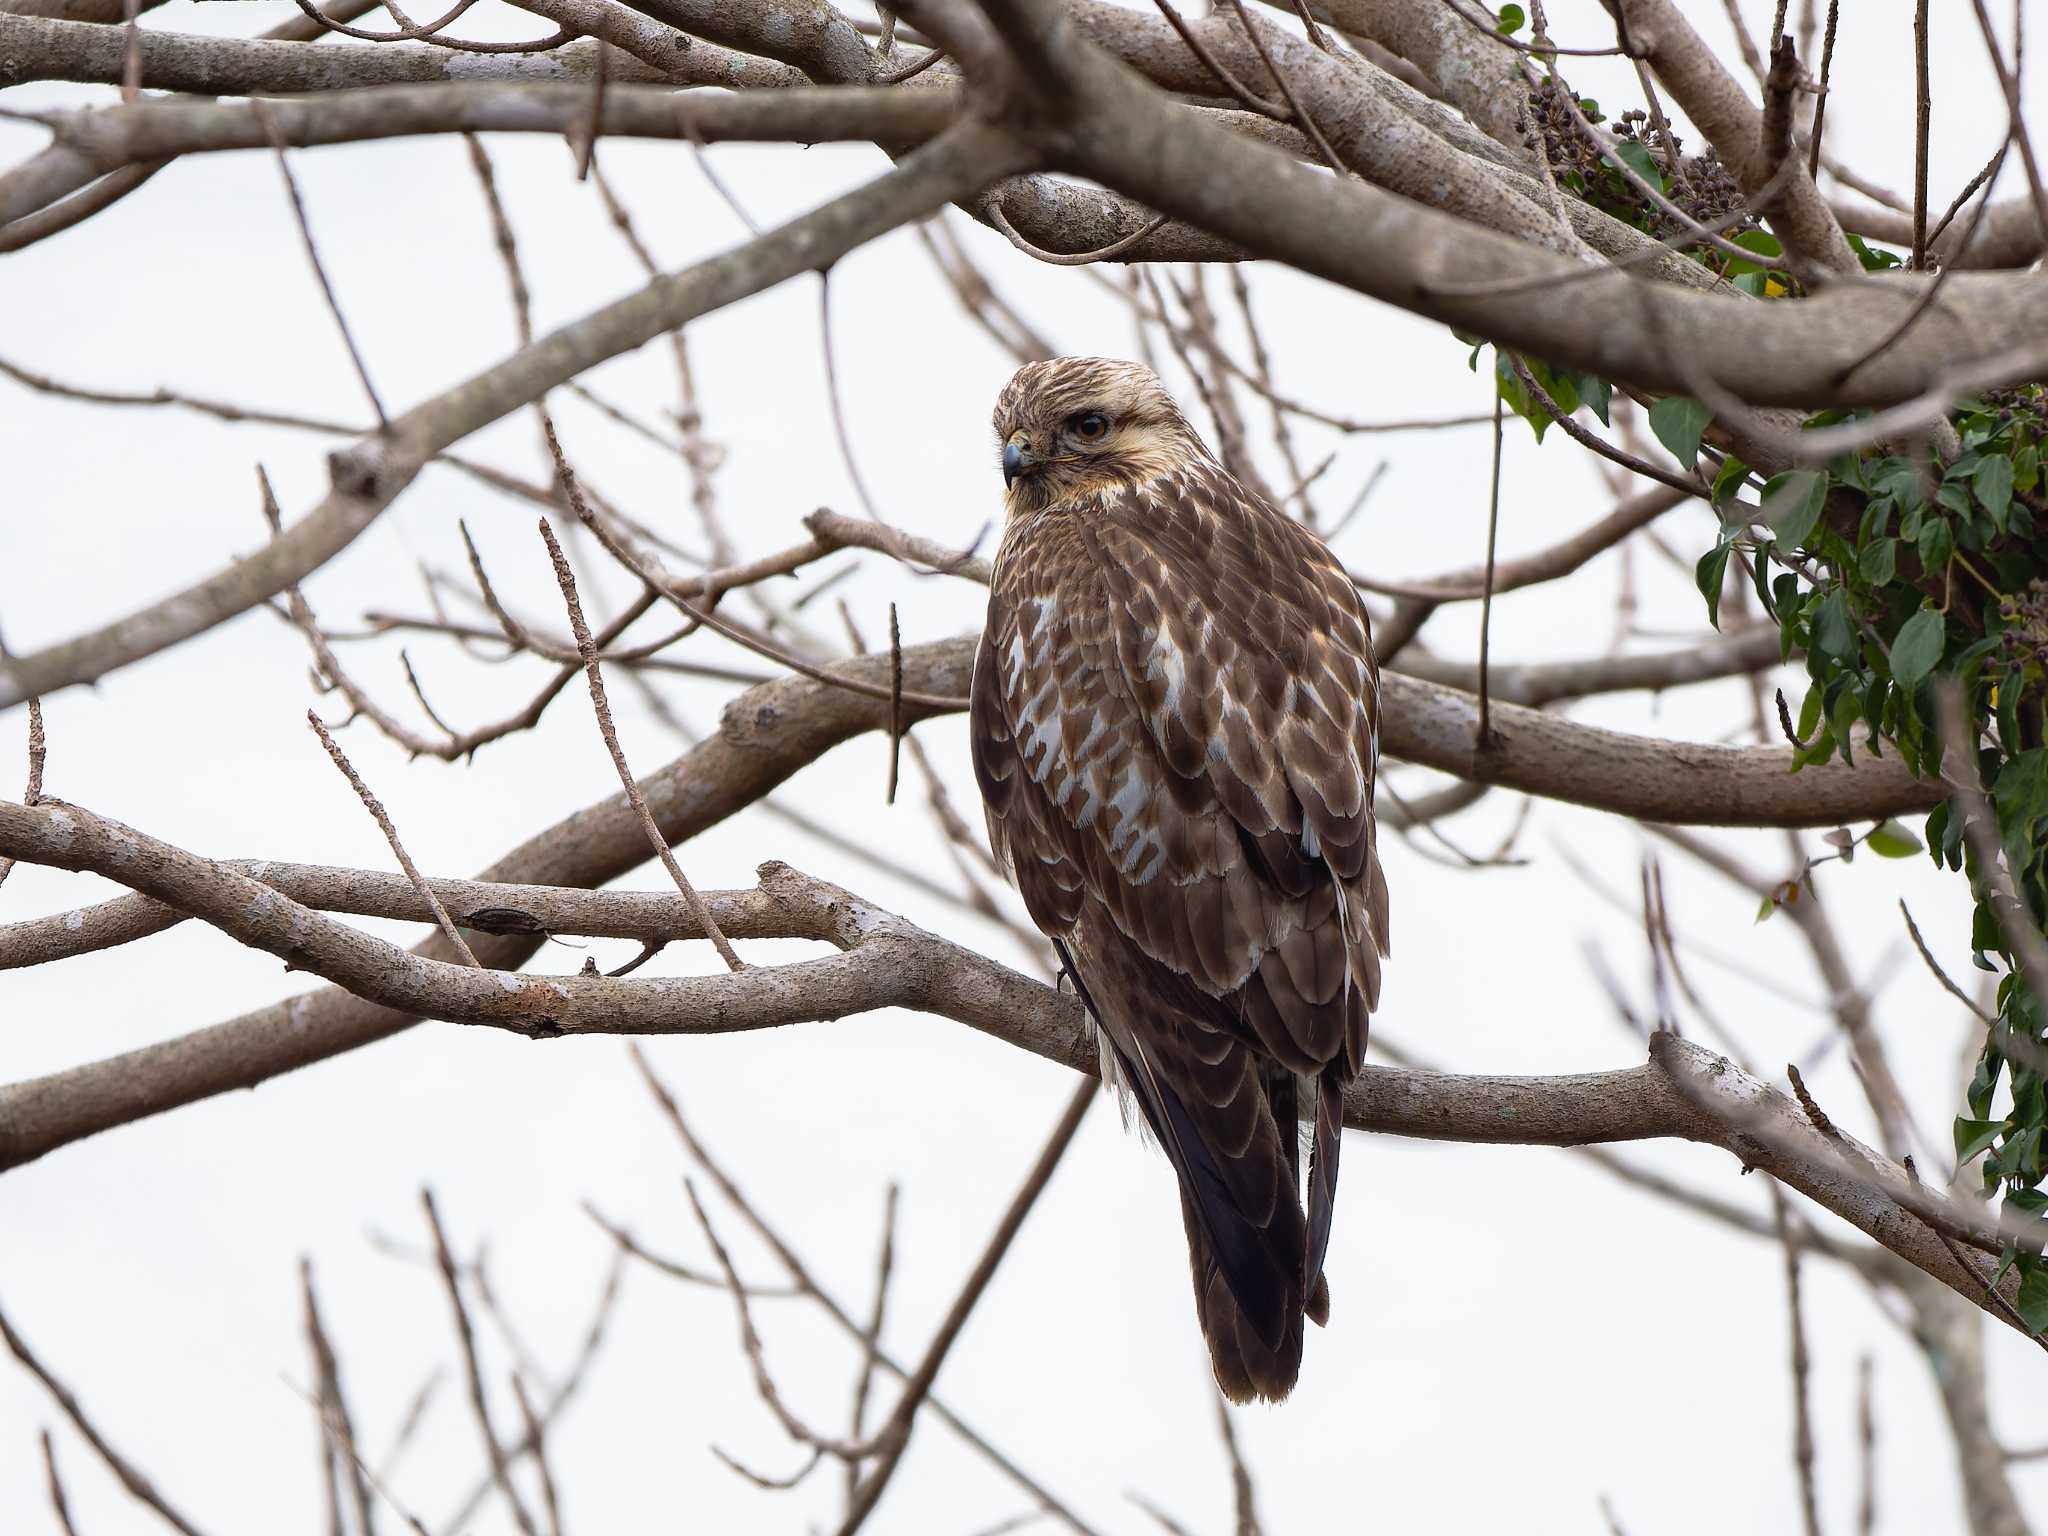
x=1514 y=1334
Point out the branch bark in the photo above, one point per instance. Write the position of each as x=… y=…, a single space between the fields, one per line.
x=1094 y=117
x=885 y=961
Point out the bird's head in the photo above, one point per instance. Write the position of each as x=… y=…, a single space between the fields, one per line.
x=1075 y=424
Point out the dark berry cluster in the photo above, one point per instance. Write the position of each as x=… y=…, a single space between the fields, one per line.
x=1699 y=184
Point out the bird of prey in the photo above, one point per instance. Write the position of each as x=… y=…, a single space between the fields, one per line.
x=1175 y=729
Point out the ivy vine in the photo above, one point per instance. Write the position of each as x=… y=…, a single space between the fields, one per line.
x=1890 y=574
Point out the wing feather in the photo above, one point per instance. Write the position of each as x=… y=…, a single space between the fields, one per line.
x=1174 y=712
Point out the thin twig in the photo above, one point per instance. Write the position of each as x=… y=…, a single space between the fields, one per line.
x=1588 y=438
x=1983 y=175
x=383 y=819
x=1486 y=593
x=536 y=1435
x=895 y=703
x=338 y=1428
x=849 y=1450
x=586 y=137
x=801 y=1275
x=1243 y=1495
x=839 y=426
x=60 y=1506
x=1949 y=986
x=895 y=1435
x=1802 y=1412
x=1215 y=65
x=1923 y=112
x=864 y=1381
x=1820 y=105
x=1295 y=109
x=131 y=52
x=558 y=1400
x=38 y=754
x=2016 y=118
x=566 y=579
x=494 y=1450
x=129 y=1475
x=1866 y=1442
x=1117 y=247
x=291 y=187
x=1927 y=296
x=501 y=234
x=911 y=70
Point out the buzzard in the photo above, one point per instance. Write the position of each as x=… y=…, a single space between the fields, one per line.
x=1175 y=729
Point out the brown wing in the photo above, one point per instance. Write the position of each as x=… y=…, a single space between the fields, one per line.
x=1173 y=716
x=1185 y=678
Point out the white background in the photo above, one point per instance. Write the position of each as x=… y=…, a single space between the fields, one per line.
x=1514 y=1335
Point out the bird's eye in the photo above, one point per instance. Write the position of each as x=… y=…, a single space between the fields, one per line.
x=1091 y=426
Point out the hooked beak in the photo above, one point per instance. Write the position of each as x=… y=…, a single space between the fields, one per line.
x=1017 y=457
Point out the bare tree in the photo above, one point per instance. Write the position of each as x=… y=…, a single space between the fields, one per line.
x=1695 y=290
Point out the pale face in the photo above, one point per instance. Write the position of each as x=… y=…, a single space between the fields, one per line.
x=1075 y=425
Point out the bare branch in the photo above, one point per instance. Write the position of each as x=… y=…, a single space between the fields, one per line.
x=129 y=1475
x=588 y=647
x=370 y=475
x=383 y=819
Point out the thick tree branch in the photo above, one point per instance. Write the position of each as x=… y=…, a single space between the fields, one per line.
x=33 y=48
x=1100 y=120
x=93 y=141
x=886 y=961
x=773 y=730
x=766 y=735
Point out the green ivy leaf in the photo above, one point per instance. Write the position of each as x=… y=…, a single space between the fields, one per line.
x=2033 y=1297
x=1875 y=258
x=1729 y=478
x=2020 y=793
x=1879 y=561
x=1792 y=505
x=1984 y=1082
x=1918 y=648
x=1711 y=574
x=1994 y=481
x=1889 y=840
x=1511 y=20
x=1936 y=543
x=1973 y=1136
x=1519 y=399
x=1594 y=394
x=1678 y=423
x=1833 y=633
x=1637 y=154
x=1762 y=242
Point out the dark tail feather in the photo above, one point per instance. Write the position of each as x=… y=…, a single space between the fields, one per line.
x=1322 y=1176
x=1246 y=1366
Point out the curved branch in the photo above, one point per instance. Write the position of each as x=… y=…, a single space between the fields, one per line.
x=765 y=736
x=1561 y=559
x=886 y=961
x=772 y=730
x=94 y=141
